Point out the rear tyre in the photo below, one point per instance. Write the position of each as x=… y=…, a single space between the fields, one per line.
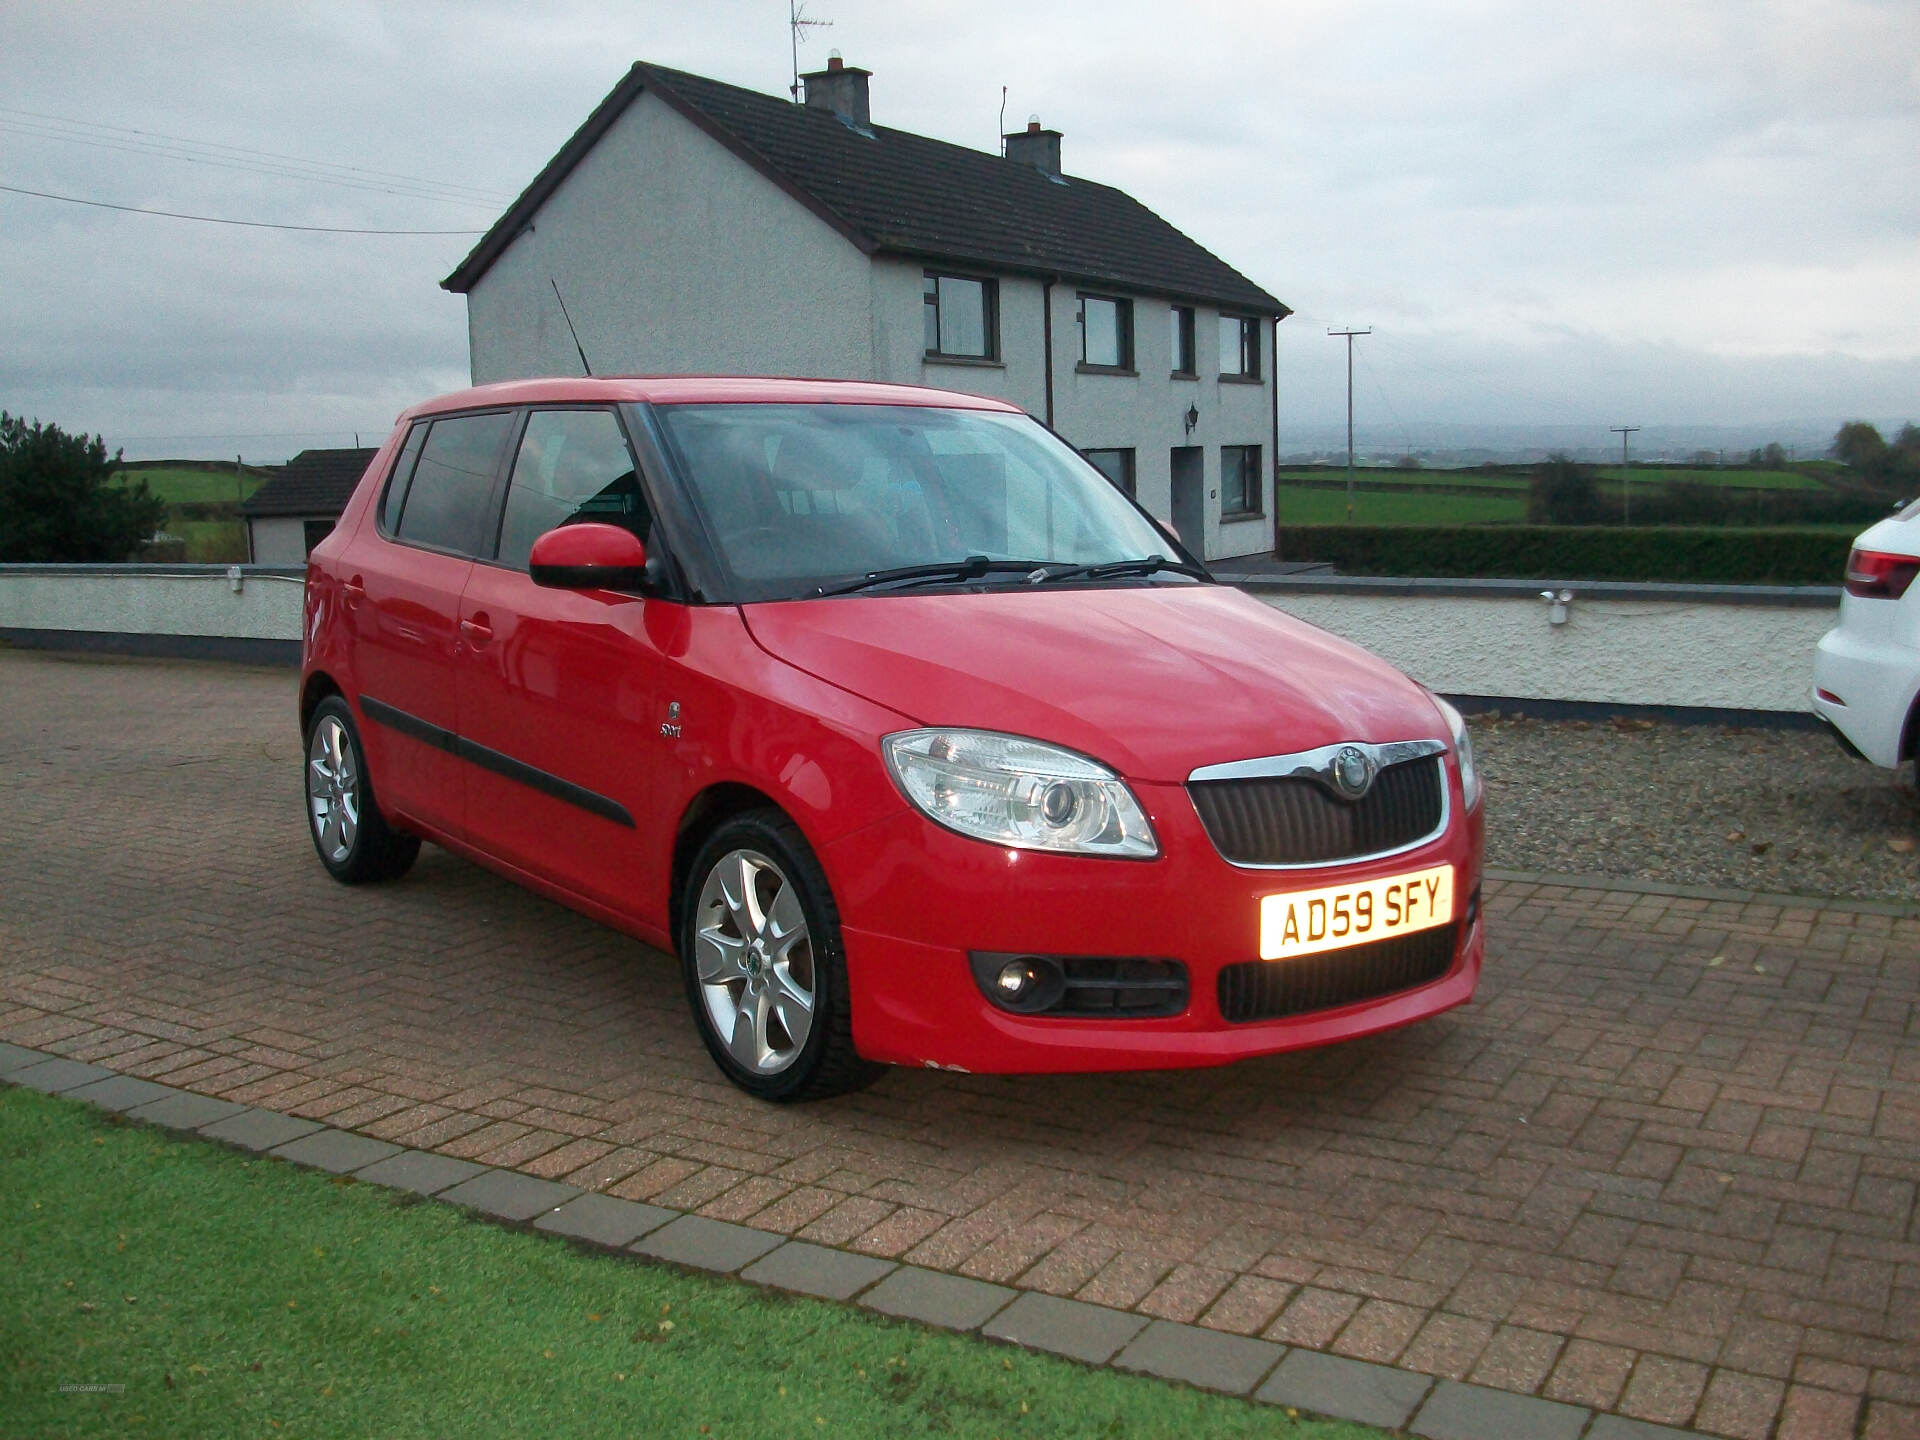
x=765 y=972
x=350 y=834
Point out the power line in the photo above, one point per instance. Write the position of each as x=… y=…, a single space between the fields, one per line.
x=218 y=220
x=238 y=157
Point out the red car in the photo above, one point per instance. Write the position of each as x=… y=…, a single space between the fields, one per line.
x=917 y=741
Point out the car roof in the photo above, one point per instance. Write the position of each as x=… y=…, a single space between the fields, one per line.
x=700 y=390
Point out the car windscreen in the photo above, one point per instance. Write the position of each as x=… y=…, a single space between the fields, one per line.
x=800 y=498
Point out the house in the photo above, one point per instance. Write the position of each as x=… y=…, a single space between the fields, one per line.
x=693 y=226
x=295 y=510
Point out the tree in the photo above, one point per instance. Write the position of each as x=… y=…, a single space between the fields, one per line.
x=1563 y=493
x=1859 y=446
x=57 y=502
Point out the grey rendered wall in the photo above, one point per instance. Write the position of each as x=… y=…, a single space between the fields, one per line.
x=674 y=256
x=279 y=540
x=1145 y=412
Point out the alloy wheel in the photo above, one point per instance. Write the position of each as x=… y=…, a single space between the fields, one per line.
x=754 y=960
x=333 y=789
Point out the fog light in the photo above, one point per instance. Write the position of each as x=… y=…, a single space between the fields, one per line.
x=1014 y=980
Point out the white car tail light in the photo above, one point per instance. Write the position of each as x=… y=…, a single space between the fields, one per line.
x=1875 y=574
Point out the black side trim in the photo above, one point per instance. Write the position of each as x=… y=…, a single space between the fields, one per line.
x=428 y=733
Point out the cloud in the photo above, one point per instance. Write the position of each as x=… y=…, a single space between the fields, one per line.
x=1700 y=207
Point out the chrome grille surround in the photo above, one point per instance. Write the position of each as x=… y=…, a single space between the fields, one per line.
x=1318 y=767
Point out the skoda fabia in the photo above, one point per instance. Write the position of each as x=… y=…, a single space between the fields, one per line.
x=915 y=739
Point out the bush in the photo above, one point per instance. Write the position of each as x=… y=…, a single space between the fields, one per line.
x=1576 y=552
x=56 y=504
x=1563 y=493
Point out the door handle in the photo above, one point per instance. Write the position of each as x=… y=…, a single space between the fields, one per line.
x=353 y=591
x=477 y=631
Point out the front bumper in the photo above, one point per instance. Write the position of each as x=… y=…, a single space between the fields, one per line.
x=915 y=899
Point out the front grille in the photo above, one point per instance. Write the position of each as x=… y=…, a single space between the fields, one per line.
x=1270 y=989
x=1274 y=821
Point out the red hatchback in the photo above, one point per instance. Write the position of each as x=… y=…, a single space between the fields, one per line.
x=914 y=738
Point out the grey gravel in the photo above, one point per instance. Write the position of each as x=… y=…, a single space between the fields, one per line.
x=1780 y=811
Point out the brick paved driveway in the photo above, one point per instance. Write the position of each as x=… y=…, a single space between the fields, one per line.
x=1664 y=1166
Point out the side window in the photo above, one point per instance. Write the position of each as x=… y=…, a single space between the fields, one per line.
x=573 y=465
x=446 y=506
x=396 y=496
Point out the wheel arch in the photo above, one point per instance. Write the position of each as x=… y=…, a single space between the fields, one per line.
x=315 y=688
x=1910 y=734
x=705 y=813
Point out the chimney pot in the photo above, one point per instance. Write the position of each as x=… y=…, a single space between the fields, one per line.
x=1033 y=127
x=834 y=62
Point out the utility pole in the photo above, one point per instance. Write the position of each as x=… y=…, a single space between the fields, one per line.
x=1350 y=334
x=1626 y=476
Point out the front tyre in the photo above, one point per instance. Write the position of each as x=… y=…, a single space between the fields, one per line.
x=765 y=973
x=352 y=837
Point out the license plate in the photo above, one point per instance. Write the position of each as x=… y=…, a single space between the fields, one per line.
x=1304 y=922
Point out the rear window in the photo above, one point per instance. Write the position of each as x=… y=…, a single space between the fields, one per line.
x=447 y=505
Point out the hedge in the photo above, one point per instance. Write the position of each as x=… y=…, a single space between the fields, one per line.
x=1746 y=556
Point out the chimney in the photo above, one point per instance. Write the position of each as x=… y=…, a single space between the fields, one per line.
x=841 y=88
x=1036 y=147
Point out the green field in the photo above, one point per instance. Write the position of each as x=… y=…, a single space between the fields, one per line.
x=1729 y=479
x=1301 y=506
x=1410 y=479
x=189 y=482
x=223 y=1294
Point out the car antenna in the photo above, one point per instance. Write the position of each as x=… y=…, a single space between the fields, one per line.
x=570 y=330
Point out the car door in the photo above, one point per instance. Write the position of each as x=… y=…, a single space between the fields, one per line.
x=558 y=689
x=403 y=581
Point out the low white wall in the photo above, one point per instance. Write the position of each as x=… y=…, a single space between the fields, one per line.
x=1732 y=648
x=1735 y=648
x=154 y=600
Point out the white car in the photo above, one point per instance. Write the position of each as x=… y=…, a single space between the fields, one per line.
x=1866 y=673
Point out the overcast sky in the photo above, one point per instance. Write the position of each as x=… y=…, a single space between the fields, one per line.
x=1662 y=213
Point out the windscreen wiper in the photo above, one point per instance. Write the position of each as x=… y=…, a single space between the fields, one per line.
x=971 y=568
x=1145 y=565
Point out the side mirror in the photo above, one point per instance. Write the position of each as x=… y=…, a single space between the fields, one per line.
x=588 y=557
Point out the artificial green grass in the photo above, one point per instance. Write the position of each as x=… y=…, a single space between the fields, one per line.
x=233 y=1294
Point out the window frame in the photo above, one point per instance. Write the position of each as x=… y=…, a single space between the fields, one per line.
x=1130 y=486
x=1256 y=486
x=1182 y=332
x=1250 y=348
x=989 y=318
x=1123 y=319
x=489 y=530
x=503 y=484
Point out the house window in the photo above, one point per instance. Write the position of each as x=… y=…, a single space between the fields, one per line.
x=1239 y=347
x=1116 y=465
x=960 y=317
x=314 y=531
x=1239 y=481
x=1106 y=333
x=1183 y=358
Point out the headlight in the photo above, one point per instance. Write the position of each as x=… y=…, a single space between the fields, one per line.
x=1009 y=791
x=1462 y=747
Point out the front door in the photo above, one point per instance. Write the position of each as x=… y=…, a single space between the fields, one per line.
x=558 y=688
x=1190 y=498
